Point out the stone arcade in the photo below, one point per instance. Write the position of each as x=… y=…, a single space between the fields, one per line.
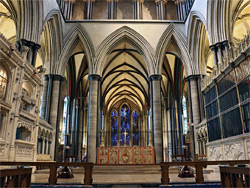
x=124 y=82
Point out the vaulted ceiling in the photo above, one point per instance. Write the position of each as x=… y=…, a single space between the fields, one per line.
x=125 y=76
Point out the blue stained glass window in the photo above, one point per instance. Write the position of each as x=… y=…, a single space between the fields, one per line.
x=114 y=128
x=135 y=128
x=124 y=124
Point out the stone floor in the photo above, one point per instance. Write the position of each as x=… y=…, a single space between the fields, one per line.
x=126 y=175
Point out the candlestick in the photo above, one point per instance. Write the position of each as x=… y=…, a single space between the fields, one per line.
x=150 y=139
x=102 y=139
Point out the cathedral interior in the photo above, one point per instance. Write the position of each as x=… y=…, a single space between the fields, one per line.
x=124 y=81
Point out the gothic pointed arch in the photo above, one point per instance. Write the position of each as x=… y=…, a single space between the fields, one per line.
x=172 y=34
x=240 y=25
x=199 y=41
x=130 y=36
x=51 y=41
x=8 y=20
x=77 y=35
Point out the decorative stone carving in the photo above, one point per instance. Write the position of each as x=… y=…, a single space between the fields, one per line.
x=43 y=157
x=25 y=125
x=248 y=149
x=215 y=153
x=2 y=149
x=24 y=151
x=234 y=151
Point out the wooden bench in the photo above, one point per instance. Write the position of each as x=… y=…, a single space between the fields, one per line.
x=199 y=165
x=235 y=176
x=16 y=177
x=53 y=169
x=179 y=158
x=200 y=158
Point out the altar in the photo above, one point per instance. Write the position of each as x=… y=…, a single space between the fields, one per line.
x=125 y=155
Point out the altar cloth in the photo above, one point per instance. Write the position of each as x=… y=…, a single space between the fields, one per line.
x=125 y=155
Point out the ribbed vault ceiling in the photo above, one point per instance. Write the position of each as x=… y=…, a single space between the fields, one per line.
x=125 y=77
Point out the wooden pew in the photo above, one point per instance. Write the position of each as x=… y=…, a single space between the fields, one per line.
x=177 y=158
x=235 y=176
x=200 y=158
x=53 y=169
x=16 y=177
x=199 y=165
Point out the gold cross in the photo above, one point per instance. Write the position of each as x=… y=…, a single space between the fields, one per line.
x=125 y=134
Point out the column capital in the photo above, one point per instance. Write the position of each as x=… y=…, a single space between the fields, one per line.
x=218 y=44
x=213 y=47
x=155 y=77
x=94 y=77
x=141 y=1
x=54 y=77
x=158 y=1
x=58 y=77
x=193 y=77
x=176 y=2
x=46 y=77
x=225 y=43
x=92 y=1
x=30 y=44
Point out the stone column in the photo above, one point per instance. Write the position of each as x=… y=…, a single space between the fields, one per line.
x=160 y=9
x=225 y=47
x=44 y=97
x=93 y=116
x=169 y=135
x=195 y=104
x=112 y=9
x=33 y=48
x=88 y=8
x=220 y=53
x=55 y=109
x=55 y=98
x=137 y=9
x=195 y=99
x=156 y=115
x=214 y=50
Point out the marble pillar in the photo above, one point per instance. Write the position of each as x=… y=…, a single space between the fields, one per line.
x=214 y=50
x=55 y=98
x=195 y=102
x=137 y=9
x=156 y=115
x=54 y=110
x=88 y=8
x=112 y=9
x=44 y=97
x=93 y=116
x=220 y=53
x=160 y=9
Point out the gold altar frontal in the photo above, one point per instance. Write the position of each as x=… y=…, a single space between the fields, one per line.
x=125 y=155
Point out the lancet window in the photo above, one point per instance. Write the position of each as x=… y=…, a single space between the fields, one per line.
x=114 y=128
x=125 y=123
x=135 y=116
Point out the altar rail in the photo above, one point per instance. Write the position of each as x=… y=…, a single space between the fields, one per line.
x=235 y=176
x=199 y=165
x=16 y=177
x=53 y=169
